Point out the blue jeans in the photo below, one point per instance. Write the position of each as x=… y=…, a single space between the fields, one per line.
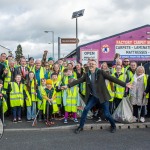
x=16 y=112
x=91 y=102
x=31 y=111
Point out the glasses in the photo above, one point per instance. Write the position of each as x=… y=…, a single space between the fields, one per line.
x=126 y=61
x=92 y=64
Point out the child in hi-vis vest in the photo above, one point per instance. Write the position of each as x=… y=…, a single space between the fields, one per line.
x=31 y=91
x=49 y=102
x=17 y=94
x=71 y=101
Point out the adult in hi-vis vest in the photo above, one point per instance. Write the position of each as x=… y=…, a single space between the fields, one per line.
x=96 y=91
x=119 y=90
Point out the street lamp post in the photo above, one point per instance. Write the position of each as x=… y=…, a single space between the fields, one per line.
x=52 y=39
x=77 y=14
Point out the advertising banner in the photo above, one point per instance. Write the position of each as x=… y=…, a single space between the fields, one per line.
x=133 y=48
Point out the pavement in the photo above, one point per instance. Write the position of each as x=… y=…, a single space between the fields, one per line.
x=59 y=125
x=135 y=139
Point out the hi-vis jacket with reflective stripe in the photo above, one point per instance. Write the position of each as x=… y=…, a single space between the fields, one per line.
x=31 y=95
x=145 y=83
x=16 y=95
x=58 y=94
x=54 y=104
x=71 y=99
x=119 y=90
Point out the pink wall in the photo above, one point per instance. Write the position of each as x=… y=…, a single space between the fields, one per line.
x=139 y=34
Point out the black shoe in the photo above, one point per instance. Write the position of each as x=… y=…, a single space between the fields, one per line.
x=29 y=120
x=19 y=120
x=113 y=129
x=78 y=130
x=14 y=120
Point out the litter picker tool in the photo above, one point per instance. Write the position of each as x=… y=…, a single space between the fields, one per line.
x=140 y=110
x=35 y=119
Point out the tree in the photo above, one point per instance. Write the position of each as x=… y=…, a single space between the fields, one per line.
x=18 y=53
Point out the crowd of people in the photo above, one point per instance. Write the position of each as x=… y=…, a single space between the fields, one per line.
x=58 y=90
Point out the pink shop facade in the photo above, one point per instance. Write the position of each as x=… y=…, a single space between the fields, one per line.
x=133 y=44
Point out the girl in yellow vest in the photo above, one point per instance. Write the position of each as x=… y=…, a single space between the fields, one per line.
x=3 y=103
x=49 y=102
x=138 y=100
x=31 y=91
x=71 y=101
x=17 y=93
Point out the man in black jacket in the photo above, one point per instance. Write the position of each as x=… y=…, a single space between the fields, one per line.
x=96 y=91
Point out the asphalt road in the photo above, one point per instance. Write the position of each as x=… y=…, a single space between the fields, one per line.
x=134 y=139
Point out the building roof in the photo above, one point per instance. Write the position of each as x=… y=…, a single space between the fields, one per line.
x=74 y=51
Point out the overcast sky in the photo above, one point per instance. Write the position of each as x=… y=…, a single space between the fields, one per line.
x=24 y=22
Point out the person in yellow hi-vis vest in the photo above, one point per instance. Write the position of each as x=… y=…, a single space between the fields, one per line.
x=3 y=103
x=71 y=101
x=17 y=94
x=56 y=85
x=49 y=102
x=138 y=95
x=31 y=92
x=119 y=90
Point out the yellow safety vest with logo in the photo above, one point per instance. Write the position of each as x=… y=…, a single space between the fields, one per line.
x=58 y=94
x=7 y=79
x=54 y=104
x=4 y=103
x=71 y=99
x=119 y=90
x=31 y=96
x=145 y=83
x=16 y=95
x=108 y=85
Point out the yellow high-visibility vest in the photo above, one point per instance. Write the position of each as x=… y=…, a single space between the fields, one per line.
x=31 y=96
x=16 y=95
x=119 y=90
x=7 y=79
x=71 y=100
x=145 y=83
x=54 y=104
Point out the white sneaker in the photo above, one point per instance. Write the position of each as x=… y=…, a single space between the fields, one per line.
x=142 y=119
x=75 y=120
x=99 y=120
x=134 y=119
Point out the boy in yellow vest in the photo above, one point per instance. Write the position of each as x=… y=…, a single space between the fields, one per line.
x=71 y=101
x=49 y=102
x=17 y=94
x=3 y=103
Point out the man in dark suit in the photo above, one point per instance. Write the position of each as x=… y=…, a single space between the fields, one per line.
x=96 y=91
x=22 y=70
